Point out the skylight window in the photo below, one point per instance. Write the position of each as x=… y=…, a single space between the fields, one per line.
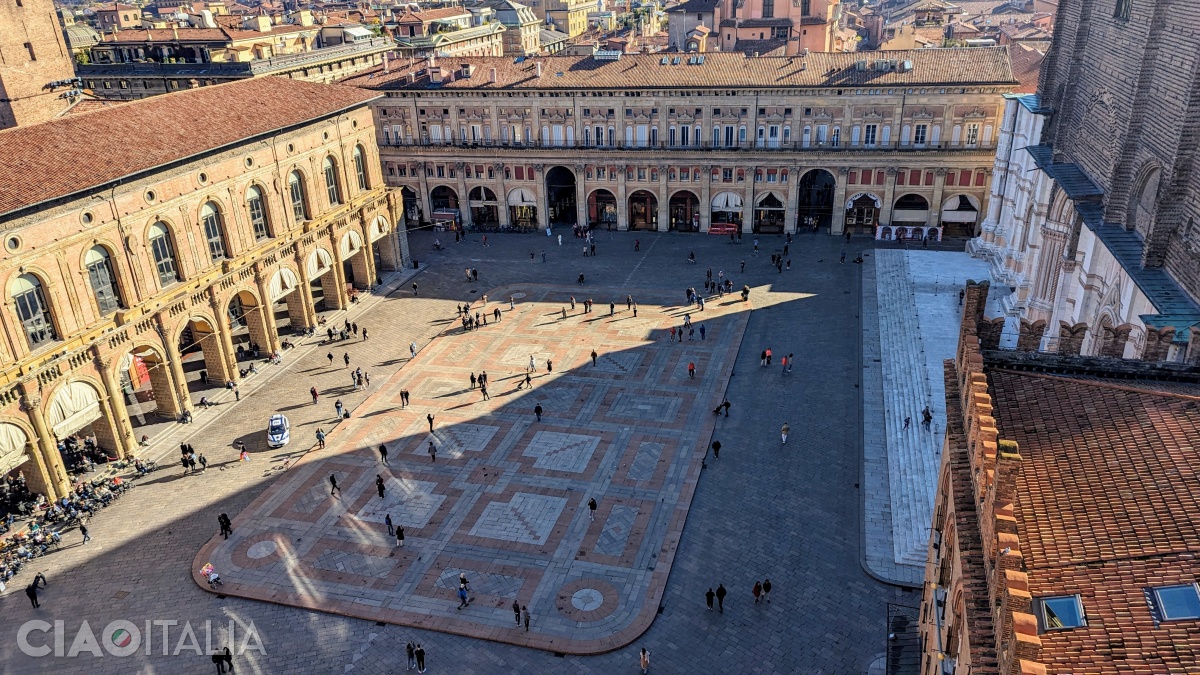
x=1062 y=612
x=1178 y=602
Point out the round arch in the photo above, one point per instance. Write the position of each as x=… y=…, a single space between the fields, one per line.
x=602 y=209
x=29 y=293
x=769 y=212
x=522 y=208
x=145 y=379
x=1143 y=201
x=643 y=210
x=284 y=281
x=683 y=211
x=814 y=209
x=959 y=215
x=319 y=261
x=481 y=193
x=379 y=227
x=561 y=195
x=351 y=244
x=443 y=198
x=727 y=213
x=412 y=205
x=74 y=405
x=862 y=212
x=910 y=202
x=14 y=445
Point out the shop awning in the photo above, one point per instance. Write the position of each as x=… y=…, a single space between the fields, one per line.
x=727 y=201
x=521 y=197
x=75 y=406
x=12 y=447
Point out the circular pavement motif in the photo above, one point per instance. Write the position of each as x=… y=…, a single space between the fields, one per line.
x=587 y=599
x=518 y=295
x=261 y=549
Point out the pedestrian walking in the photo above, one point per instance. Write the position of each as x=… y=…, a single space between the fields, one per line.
x=32 y=593
x=843 y=258
x=743 y=266
x=432 y=452
x=708 y=598
x=907 y=421
x=472 y=380
x=716 y=448
x=628 y=302
x=483 y=390
x=592 y=508
x=237 y=393
x=84 y=531
x=783 y=432
x=549 y=366
x=721 y=593
x=379 y=485
x=409 y=649
x=691 y=370
x=337 y=407
x=430 y=418
x=333 y=485
x=517 y=611
x=387 y=520
x=346 y=358
x=330 y=356
x=757 y=591
x=560 y=240
x=612 y=308
x=226 y=525
x=244 y=454
x=364 y=333
x=635 y=310
x=537 y=410
x=462 y=597
x=412 y=349
x=414 y=288
x=203 y=463
x=762 y=359
x=524 y=609
x=768 y=356
x=320 y=439
x=399 y=536
x=313 y=392
x=420 y=654
x=383 y=453
x=645 y=660
x=594 y=358
x=766 y=589
x=701 y=331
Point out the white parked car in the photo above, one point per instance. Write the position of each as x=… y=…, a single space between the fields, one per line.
x=278 y=431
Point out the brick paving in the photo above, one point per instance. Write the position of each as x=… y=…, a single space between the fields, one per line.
x=761 y=510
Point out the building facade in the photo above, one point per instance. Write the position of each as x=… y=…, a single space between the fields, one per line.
x=130 y=291
x=697 y=142
x=35 y=64
x=765 y=25
x=1093 y=220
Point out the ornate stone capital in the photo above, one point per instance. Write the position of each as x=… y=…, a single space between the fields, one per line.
x=940 y=171
x=892 y=171
x=460 y=165
x=498 y=166
x=539 y=167
x=843 y=170
x=580 y=168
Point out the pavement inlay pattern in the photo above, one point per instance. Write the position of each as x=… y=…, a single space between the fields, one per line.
x=504 y=499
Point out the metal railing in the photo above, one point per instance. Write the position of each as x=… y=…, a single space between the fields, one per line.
x=256 y=67
x=659 y=147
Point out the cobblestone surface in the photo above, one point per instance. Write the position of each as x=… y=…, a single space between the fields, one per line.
x=760 y=510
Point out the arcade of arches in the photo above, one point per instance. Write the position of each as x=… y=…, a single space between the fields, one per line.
x=693 y=199
x=147 y=373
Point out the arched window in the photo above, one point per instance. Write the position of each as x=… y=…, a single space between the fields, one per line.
x=164 y=254
x=360 y=169
x=104 y=282
x=258 y=213
x=331 y=184
x=33 y=311
x=296 y=190
x=210 y=219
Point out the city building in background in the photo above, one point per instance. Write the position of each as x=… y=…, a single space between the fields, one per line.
x=890 y=144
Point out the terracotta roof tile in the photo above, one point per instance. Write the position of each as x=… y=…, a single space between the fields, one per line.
x=1108 y=504
x=931 y=67
x=72 y=154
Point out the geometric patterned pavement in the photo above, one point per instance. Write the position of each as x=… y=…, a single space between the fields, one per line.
x=505 y=499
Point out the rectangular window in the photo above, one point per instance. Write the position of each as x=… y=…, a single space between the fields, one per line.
x=972 y=134
x=1062 y=612
x=441 y=171
x=920 y=133
x=29 y=48
x=964 y=177
x=1178 y=602
x=727 y=175
x=869 y=134
x=641 y=173
x=805 y=7
x=866 y=176
x=520 y=172
x=768 y=9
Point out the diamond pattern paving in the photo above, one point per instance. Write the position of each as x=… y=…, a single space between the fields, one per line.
x=646 y=461
x=616 y=530
x=410 y=503
x=557 y=451
x=526 y=519
x=333 y=560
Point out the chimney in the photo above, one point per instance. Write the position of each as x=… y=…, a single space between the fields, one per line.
x=492 y=76
x=385 y=63
x=432 y=60
x=539 y=68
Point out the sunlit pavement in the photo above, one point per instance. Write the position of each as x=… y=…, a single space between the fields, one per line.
x=789 y=513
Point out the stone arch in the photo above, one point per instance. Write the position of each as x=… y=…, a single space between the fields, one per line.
x=37 y=315
x=249 y=325
x=16 y=442
x=200 y=332
x=322 y=280
x=352 y=250
x=287 y=299
x=1143 y=202
x=602 y=209
x=262 y=219
x=79 y=406
x=144 y=377
x=683 y=211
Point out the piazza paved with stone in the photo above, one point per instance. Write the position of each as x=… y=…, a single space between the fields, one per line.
x=789 y=513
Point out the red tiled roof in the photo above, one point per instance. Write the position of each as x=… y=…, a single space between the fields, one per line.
x=1107 y=504
x=931 y=67
x=71 y=154
x=1027 y=66
x=143 y=35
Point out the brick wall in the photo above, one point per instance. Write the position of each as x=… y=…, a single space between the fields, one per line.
x=23 y=98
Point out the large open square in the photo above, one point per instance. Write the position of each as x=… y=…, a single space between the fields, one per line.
x=327 y=590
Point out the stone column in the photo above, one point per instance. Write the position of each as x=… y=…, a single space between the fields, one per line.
x=225 y=346
x=270 y=341
x=539 y=190
x=889 y=196
x=175 y=361
x=706 y=199
x=664 y=200
x=426 y=203
x=622 y=200
x=124 y=438
x=464 y=203
x=501 y=195
x=58 y=484
x=837 y=223
x=580 y=194
x=303 y=295
x=335 y=278
x=748 y=201
x=939 y=187
x=792 y=213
